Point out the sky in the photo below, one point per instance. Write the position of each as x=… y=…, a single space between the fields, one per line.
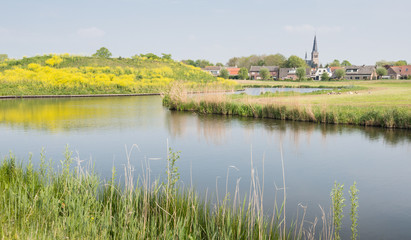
x=361 y=31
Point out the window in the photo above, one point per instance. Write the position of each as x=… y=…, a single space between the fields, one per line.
x=357 y=78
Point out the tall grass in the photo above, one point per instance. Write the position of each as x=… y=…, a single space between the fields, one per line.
x=74 y=203
x=389 y=117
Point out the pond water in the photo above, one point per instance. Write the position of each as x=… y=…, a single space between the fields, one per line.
x=315 y=156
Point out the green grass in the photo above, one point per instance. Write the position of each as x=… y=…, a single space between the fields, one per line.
x=74 y=203
x=368 y=103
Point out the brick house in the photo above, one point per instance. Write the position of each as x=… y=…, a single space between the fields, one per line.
x=254 y=72
x=399 y=72
x=291 y=73
x=360 y=72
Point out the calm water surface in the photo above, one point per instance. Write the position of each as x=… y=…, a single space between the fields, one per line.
x=315 y=156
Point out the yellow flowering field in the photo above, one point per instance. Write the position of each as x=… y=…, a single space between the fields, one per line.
x=65 y=74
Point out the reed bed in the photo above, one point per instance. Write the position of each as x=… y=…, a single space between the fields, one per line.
x=295 y=107
x=73 y=203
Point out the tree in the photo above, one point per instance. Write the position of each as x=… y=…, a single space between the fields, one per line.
x=261 y=62
x=151 y=56
x=274 y=60
x=339 y=73
x=3 y=57
x=325 y=76
x=345 y=63
x=102 y=53
x=265 y=74
x=300 y=72
x=224 y=73
x=381 y=71
x=400 y=63
x=166 y=56
x=382 y=63
x=201 y=63
x=243 y=73
x=295 y=62
x=233 y=62
x=335 y=63
x=219 y=64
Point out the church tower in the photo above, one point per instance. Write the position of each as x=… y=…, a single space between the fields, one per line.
x=315 y=62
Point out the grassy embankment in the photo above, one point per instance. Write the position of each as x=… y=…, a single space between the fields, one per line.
x=74 y=203
x=75 y=75
x=369 y=103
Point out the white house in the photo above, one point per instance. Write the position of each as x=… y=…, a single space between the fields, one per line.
x=319 y=72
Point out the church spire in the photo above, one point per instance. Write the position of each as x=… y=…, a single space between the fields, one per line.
x=315 y=48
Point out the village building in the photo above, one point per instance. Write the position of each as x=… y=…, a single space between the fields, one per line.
x=399 y=72
x=233 y=72
x=291 y=73
x=254 y=72
x=213 y=70
x=315 y=61
x=360 y=72
x=317 y=73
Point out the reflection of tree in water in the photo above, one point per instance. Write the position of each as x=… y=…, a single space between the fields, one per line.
x=177 y=122
x=390 y=136
x=213 y=129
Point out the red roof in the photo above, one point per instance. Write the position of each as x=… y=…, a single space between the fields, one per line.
x=334 y=68
x=402 y=70
x=233 y=71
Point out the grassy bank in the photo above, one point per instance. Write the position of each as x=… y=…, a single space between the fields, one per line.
x=73 y=75
x=74 y=203
x=368 y=103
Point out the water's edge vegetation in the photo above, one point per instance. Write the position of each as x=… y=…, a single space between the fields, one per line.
x=74 y=203
x=265 y=106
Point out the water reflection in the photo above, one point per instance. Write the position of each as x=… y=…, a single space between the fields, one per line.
x=315 y=155
x=67 y=114
x=216 y=128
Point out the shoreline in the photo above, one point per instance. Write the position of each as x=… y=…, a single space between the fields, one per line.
x=80 y=95
x=105 y=95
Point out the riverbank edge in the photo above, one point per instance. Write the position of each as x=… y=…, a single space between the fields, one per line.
x=105 y=95
x=348 y=115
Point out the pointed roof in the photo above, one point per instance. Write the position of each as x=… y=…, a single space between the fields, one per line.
x=315 y=48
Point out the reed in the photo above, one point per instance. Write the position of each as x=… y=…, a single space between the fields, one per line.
x=73 y=202
x=380 y=116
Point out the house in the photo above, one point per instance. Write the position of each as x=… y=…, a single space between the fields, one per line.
x=233 y=72
x=399 y=72
x=291 y=73
x=254 y=72
x=360 y=72
x=317 y=73
x=334 y=68
x=213 y=70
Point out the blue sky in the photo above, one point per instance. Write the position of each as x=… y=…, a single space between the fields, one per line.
x=361 y=31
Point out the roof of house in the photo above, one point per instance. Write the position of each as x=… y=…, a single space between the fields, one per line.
x=334 y=68
x=258 y=68
x=233 y=71
x=402 y=70
x=361 y=70
x=210 y=68
x=285 y=71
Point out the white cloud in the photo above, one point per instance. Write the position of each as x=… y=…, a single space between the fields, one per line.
x=92 y=32
x=307 y=28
